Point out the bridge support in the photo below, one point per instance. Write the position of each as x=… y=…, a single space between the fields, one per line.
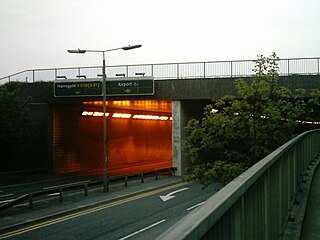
x=182 y=112
x=178 y=124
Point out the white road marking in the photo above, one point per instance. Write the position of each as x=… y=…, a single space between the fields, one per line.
x=6 y=195
x=169 y=196
x=195 y=206
x=142 y=230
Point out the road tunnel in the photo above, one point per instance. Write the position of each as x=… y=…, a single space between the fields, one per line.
x=139 y=137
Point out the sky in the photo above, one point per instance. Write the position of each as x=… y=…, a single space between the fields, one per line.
x=37 y=33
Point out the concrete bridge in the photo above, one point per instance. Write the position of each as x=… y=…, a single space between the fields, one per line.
x=181 y=90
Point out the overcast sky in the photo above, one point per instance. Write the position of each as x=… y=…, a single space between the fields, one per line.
x=37 y=33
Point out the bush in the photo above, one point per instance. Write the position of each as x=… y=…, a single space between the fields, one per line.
x=236 y=132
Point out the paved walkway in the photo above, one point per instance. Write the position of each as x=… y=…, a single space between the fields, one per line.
x=311 y=223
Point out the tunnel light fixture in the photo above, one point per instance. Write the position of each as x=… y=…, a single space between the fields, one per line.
x=308 y=122
x=127 y=116
x=94 y=114
x=159 y=118
x=121 y=115
x=150 y=117
x=86 y=113
x=97 y=114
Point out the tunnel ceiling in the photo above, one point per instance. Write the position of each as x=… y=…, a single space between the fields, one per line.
x=163 y=106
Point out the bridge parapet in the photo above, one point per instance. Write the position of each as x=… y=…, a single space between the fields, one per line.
x=183 y=70
x=257 y=204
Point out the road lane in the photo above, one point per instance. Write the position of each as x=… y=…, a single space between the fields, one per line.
x=125 y=218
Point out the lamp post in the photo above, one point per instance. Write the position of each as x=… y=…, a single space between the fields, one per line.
x=104 y=77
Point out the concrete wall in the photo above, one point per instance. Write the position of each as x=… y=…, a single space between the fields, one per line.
x=173 y=89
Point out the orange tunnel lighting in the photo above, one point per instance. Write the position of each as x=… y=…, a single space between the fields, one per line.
x=151 y=117
x=86 y=113
x=121 y=115
x=127 y=116
x=97 y=114
x=94 y=114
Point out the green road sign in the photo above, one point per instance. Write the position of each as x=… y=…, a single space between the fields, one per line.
x=77 y=88
x=114 y=87
x=130 y=86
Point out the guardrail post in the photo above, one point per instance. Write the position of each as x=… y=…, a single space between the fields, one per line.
x=266 y=193
x=60 y=195
x=107 y=185
x=152 y=70
x=239 y=220
x=86 y=189
x=177 y=70
x=174 y=171
x=30 y=201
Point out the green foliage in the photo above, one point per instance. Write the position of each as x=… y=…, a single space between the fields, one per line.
x=219 y=171
x=16 y=137
x=245 y=128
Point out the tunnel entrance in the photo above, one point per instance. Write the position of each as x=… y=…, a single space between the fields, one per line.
x=139 y=137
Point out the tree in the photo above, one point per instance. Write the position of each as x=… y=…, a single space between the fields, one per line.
x=236 y=132
x=16 y=137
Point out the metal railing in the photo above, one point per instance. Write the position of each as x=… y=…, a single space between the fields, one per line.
x=60 y=189
x=211 y=69
x=257 y=204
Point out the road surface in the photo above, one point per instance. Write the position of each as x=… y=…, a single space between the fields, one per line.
x=144 y=216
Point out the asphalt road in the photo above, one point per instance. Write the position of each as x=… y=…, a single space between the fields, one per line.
x=144 y=216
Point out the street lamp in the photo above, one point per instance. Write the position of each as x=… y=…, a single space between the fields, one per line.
x=104 y=76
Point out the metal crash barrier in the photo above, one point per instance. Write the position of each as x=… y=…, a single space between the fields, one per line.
x=257 y=204
x=60 y=189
